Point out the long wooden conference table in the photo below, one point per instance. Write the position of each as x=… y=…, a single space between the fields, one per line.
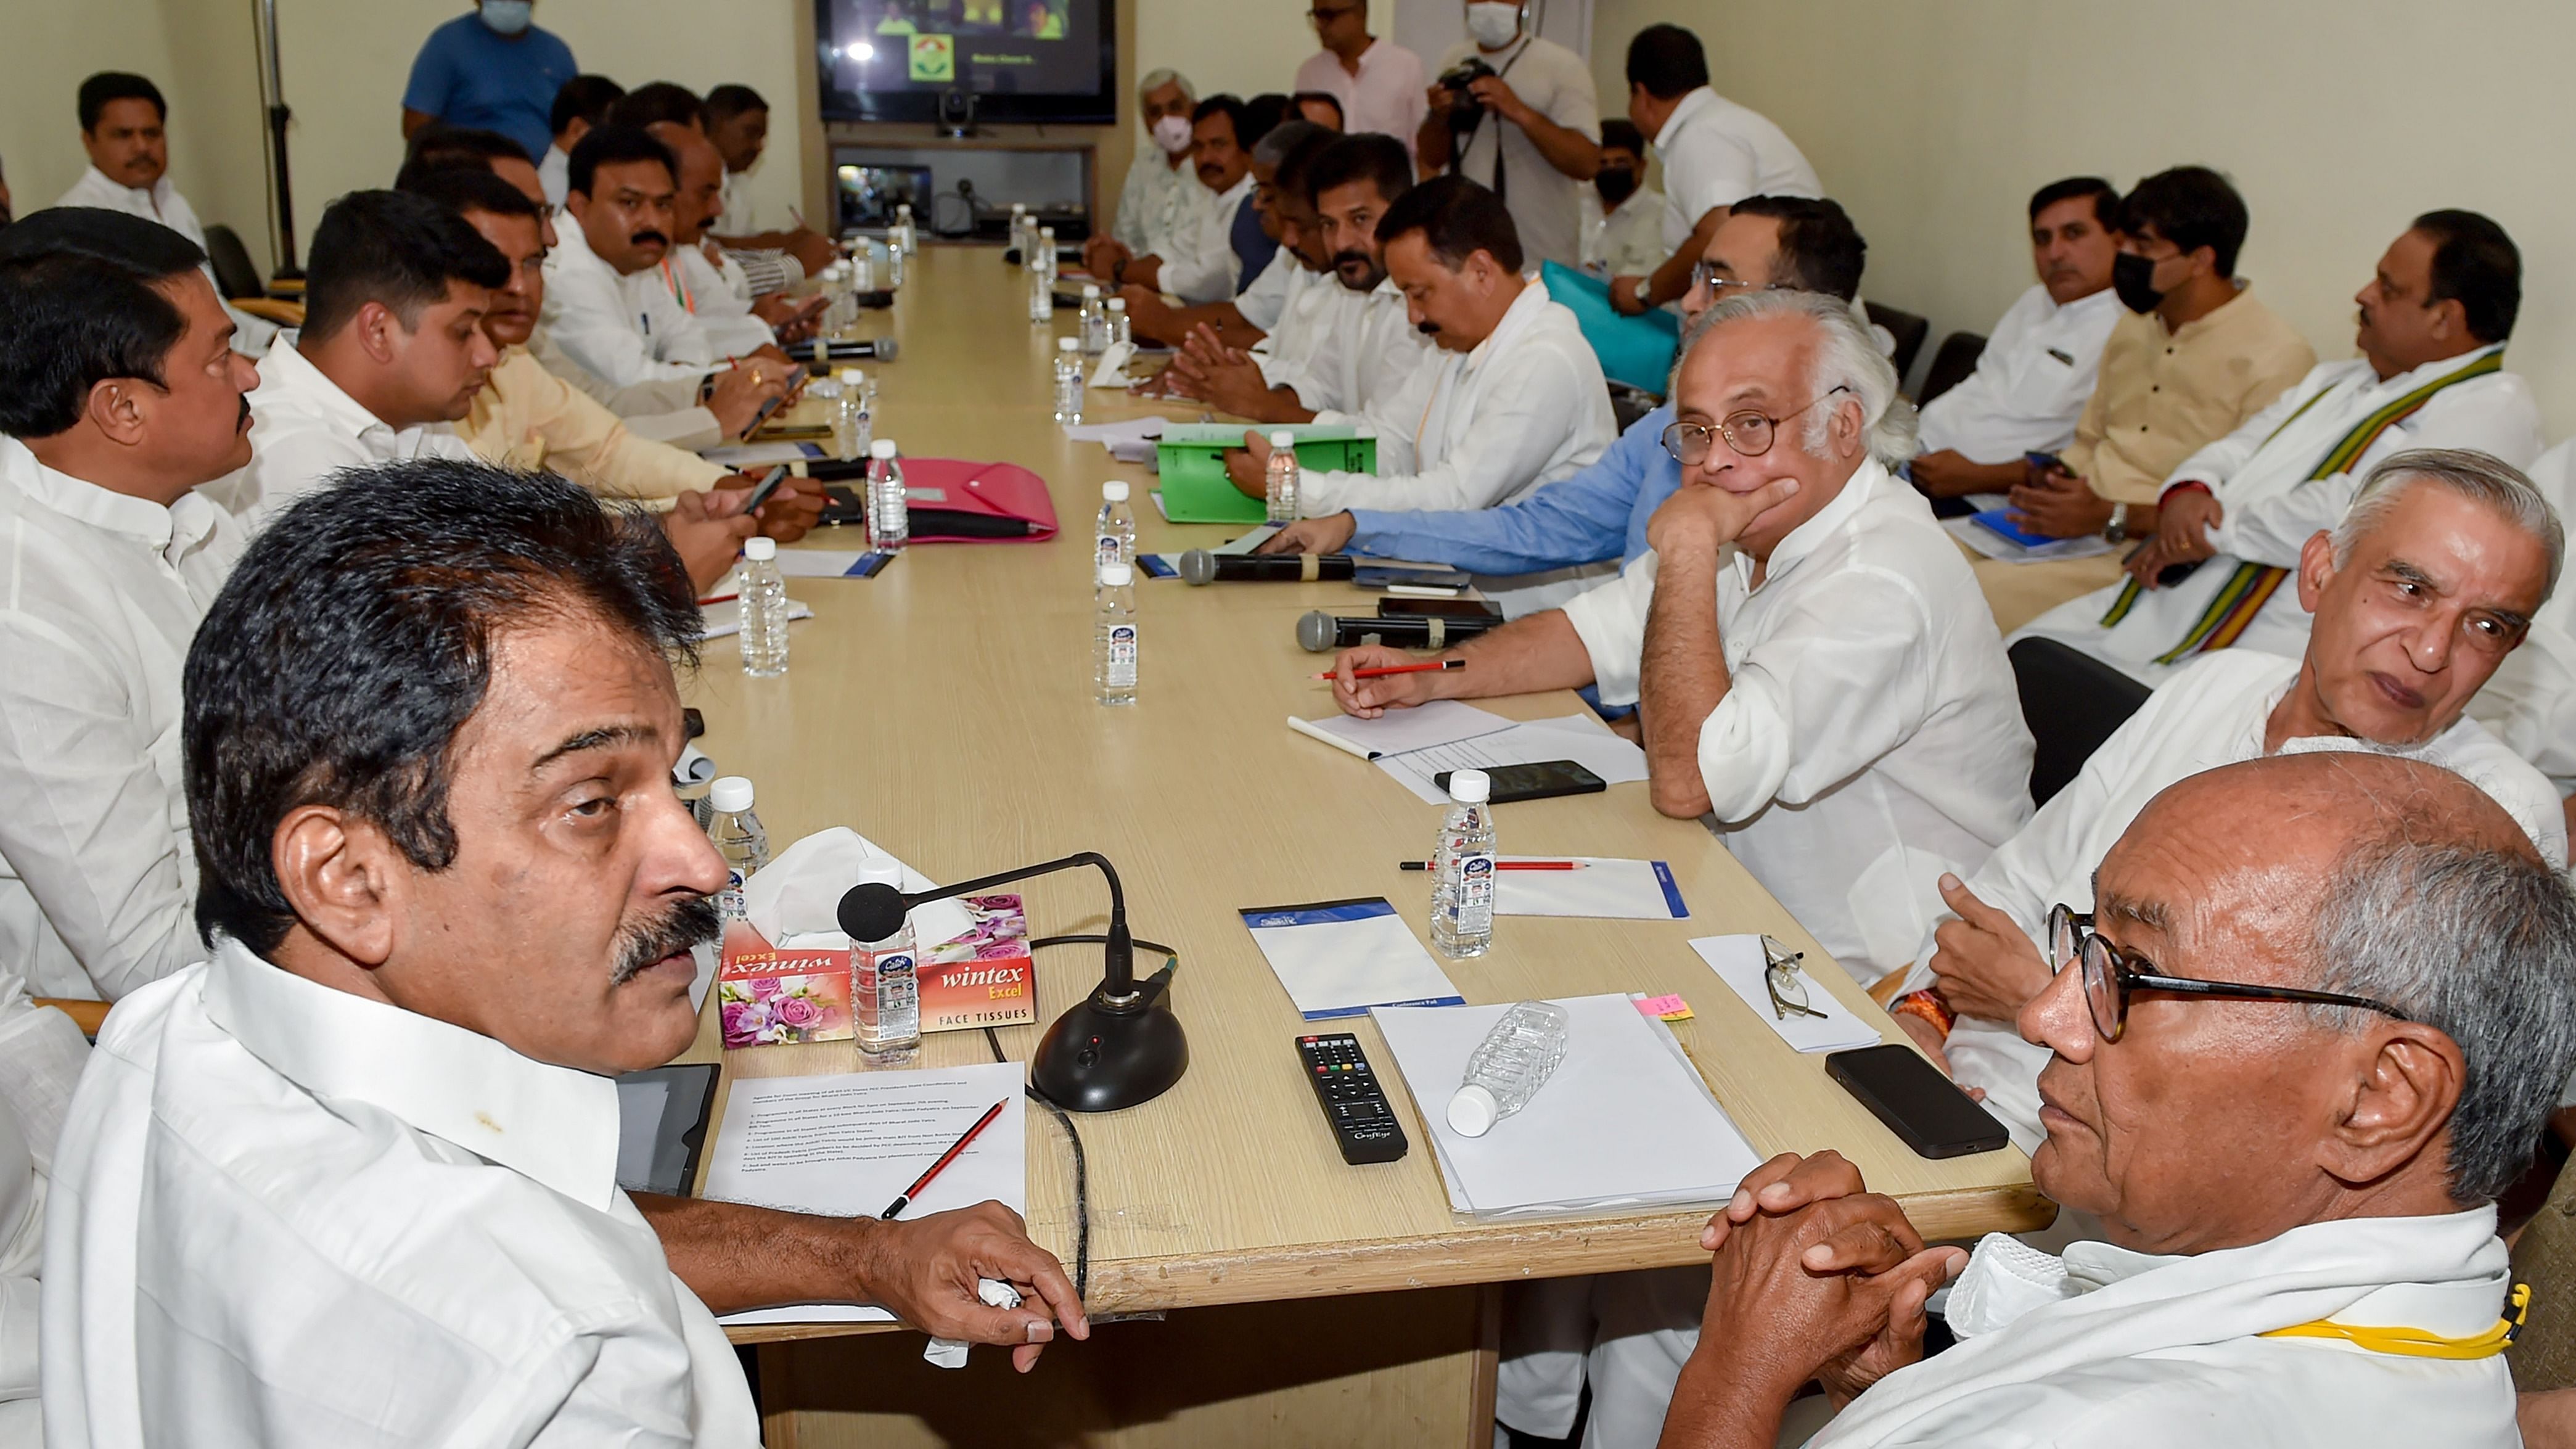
x=944 y=709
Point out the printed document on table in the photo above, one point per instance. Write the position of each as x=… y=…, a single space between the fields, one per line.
x=1738 y=962
x=1441 y=722
x=818 y=563
x=1615 y=759
x=1339 y=958
x=1605 y=888
x=845 y=1146
x=1625 y=1123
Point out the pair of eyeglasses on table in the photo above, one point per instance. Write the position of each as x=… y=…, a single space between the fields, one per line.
x=1781 y=978
x=2112 y=975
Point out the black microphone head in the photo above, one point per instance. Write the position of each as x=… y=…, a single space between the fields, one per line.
x=871 y=911
x=1198 y=566
x=885 y=349
x=1315 y=631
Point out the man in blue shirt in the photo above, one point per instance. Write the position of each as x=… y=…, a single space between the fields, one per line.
x=1601 y=513
x=493 y=70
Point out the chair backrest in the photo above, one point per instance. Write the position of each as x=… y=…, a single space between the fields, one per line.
x=1628 y=404
x=1908 y=330
x=235 y=275
x=1951 y=364
x=2072 y=703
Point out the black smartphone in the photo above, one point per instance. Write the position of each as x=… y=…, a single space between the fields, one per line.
x=1406 y=607
x=1925 y=1109
x=767 y=409
x=767 y=485
x=841 y=505
x=1543 y=781
x=663 y=1114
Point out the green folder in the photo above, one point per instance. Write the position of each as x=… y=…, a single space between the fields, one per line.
x=1192 y=459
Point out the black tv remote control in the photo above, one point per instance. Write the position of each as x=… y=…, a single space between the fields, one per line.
x=1355 y=1106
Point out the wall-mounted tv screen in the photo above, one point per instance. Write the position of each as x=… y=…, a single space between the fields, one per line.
x=921 y=60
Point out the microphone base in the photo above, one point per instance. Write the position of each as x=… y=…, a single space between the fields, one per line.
x=1099 y=1058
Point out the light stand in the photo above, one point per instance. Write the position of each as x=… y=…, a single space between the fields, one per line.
x=272 y=85
x=1118 y=1047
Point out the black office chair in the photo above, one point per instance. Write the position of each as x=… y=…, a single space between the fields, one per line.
x=1908 y=330
x=235 y=275
x=2072 y=703
x=1951 y=365
x=1627 y=404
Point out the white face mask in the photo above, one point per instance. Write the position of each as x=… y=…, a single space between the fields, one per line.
x=508 y=17
x=1172 y=133
x=1493 y=24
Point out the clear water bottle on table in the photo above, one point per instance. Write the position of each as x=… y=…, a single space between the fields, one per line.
x=1509 y=1066
x=1117 y=530
x=764 y=610
x=885 y=984
x=853 y=424
x=1462 y=869
x=738 y=837
x=1068 y=380
x=1121 y=326
x=1114 y=648
x=1280 y=479
x=1093 y=325
x=889 y=507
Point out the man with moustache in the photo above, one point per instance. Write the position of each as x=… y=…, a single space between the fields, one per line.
x=120 y=398
x=526 y=418
x=2310 y=1035
x=1245 y=319
x=352 y=1179
x=702 y=275
x=392 y=350
x=2430 y=581
x=2233 y=518
x=607 y=307
x=1204 y=265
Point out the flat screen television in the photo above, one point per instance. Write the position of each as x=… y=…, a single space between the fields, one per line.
x=925 y=60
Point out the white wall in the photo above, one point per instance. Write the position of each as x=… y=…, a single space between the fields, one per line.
x=214 y=99
x=2338 y=119
x=346 y=65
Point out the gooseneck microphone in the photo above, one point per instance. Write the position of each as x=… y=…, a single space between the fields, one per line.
x=1117 y=1047
x=1198 y=566
x=1319 y=632
x=821 y=349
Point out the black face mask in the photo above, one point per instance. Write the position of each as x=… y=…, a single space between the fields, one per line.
x=2134 y=278
x=1616 y=184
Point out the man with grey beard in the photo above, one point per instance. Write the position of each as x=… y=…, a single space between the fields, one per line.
x=353 y=1180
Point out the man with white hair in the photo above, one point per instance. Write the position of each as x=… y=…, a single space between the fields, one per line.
x=1807 y=650
x=1160 y=203
x=2425 y=587
x=2310 y=1038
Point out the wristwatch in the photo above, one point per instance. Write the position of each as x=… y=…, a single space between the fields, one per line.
x=1645 y=288
x=2116 y=532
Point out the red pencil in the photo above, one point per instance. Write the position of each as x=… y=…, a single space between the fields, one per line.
x=945 y=1158
x=1429 y=667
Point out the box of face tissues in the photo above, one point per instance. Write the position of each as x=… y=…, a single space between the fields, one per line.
x=785 y=973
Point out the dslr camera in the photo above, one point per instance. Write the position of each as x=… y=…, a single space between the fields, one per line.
x=1465 y=111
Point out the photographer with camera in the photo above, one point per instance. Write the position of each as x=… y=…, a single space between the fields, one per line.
x=1519 y=115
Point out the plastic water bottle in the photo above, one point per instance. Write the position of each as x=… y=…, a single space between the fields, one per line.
x=764 y=610
x=1068 y=380
x=895 y=256
x=1117 y=531
x=885 y=984
x=1114 y=668
x=1042 y=277
x=1020 y=230
x=1280 y=481
x=863 y=267
x=853 y=421
x=1094 y=322
x=889 y=509
x=1515 y=1059
x=1462 y=870
x=738 y=838
x=903 y=228
x=1121 y=328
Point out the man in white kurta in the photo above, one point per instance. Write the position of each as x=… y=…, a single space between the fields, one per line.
x=1162 y=190
x=2295 y=1166
x=2431 y=376
x=1714 y=152
x=2382 y=672
x=606 y=305
x=130 y=138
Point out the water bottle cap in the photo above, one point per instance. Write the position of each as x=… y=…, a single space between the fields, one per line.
x=1091 y=291
x=1048 y=232
x=1283 y=439
x=1114 y=491
x=1117 y=304
x=882 y=448
x=1019 y=208
x=1473 y=1112
x=760 y=550
x=853 y=375
x=1067 y=344
x=1471 y=787
x=1117 y=575
x=731 y=794
x=903 y=208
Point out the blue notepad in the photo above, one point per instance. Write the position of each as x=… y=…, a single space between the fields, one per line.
x=1998 y=522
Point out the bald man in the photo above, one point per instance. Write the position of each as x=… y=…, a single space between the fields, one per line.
x=701 y=275
x=2319 y=1016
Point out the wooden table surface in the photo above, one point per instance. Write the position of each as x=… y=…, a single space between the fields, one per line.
x=944 y=710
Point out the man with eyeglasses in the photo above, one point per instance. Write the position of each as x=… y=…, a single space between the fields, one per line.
x=2321 y=1012
x=1601 y=513
x=1377 y=83
x=2422 y=590
x=1814 y=674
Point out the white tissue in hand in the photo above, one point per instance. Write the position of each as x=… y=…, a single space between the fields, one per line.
x=795 y=900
